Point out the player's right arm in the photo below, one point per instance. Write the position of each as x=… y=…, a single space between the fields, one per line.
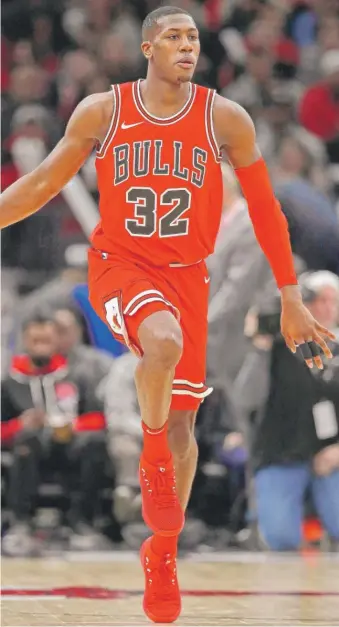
x=87 y=125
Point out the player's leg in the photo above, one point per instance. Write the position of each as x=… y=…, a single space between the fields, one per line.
x=184 y=448
x=131 y=301
x=154 y=379
x=189 y=388
x=183 y=445
x=160 y=339
x=158 y=549
x=162 y=600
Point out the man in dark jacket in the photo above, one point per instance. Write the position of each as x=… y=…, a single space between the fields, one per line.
x=296 y=432
x=51 y=422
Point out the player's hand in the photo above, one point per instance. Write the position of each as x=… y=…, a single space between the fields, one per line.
x=299 y=328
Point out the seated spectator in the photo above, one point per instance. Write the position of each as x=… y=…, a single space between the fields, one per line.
x=252 y=88
x=296 y=430
x=53 y=424
x=319 y=109
x=87 y=361
x=313 y=224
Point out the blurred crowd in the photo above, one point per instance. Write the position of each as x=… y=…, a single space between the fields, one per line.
x=269 y=434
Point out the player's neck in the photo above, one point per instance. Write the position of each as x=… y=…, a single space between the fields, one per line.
x=161 y=98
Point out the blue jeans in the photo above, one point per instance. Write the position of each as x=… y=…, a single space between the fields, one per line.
x=280 y=494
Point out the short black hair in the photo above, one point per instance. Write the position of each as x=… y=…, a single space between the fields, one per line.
x=154 y=16
x=38 y=318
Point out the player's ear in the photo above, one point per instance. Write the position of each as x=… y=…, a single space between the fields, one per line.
x=146 y=48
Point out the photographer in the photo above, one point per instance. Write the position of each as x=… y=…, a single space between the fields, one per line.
x=295 y=443
x=53 y=424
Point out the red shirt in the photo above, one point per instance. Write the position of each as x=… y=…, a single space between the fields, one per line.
x=319 y=112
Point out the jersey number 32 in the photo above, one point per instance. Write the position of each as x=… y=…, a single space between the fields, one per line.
x=146 y=221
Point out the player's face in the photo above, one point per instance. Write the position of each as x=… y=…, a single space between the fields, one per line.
x=175 y=48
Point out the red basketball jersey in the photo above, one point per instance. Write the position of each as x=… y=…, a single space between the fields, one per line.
x=159 y=180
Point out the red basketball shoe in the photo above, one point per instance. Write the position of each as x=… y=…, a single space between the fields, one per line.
x=162 y=601
x=161 y=509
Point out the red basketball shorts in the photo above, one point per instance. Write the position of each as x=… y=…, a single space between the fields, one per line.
x=124 y=292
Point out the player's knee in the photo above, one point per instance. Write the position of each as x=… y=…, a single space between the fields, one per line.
x=181 y=437
x=166 y=347
x=161 y=339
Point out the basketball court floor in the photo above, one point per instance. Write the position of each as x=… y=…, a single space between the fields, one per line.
x=221 y=589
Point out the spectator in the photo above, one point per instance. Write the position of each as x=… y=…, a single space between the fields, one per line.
x=32 y=132
x=119 y=64
x=314 y=227
x=23 y=53
x=296 y=432
x=52 y=423
x=269 y=95
x=78 y=67
x=28 y=84
x=86 y=361
x=243 y=14
x=277 y=119
x=301 y=25
x=43 y=41
x=326 y=305
x=319 y=109
x=252 y=88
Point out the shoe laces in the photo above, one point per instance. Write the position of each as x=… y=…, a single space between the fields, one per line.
x=162 y=577
x=162 y=486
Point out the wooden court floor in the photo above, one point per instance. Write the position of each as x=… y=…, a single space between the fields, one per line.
x=233 y=589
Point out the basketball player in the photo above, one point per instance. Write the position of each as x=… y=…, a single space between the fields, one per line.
x=159 y=145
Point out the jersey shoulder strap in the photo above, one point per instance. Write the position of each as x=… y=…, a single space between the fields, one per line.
x=119 y=93
x=205 y=99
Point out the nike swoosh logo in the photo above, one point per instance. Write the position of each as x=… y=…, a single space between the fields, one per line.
x=124 y=126
x=207 y=279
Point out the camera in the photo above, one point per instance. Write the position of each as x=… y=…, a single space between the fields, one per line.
x=269 y=324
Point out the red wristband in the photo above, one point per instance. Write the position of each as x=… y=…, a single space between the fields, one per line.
x=269 y=222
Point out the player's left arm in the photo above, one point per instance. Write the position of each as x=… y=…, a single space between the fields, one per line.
x=236 y=135
x=29 y=193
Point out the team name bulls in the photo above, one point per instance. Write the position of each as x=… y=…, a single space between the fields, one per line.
x=146 y=157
